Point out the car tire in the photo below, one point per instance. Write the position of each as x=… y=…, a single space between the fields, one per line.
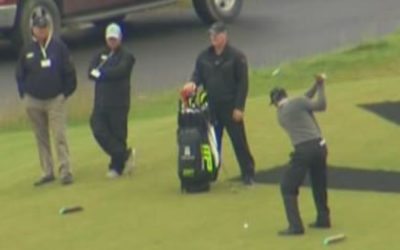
x=210 y=11
x=29 y=9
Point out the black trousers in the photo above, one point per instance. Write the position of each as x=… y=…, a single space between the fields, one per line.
x=309 y=157
x=110 y=129
x=222 y=114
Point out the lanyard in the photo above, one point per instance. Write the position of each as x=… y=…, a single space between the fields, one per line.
x=104 y=61
x=43 y=49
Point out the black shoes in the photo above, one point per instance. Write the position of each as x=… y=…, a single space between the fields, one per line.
x=44 y=180
x=320 y=225
x=300 y=231
x=291 y=232
x=65 y=180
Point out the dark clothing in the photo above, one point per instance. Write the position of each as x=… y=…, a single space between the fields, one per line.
x=237 y=134
x=110 y=129
x=310 y=155
x=48 y=81
x=225 y=78
x=109 y=120
x=113 y=86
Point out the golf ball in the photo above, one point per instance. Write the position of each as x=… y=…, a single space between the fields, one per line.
x=245 y=225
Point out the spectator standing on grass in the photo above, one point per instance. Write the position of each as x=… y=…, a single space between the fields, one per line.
x=111 y=71
x=223 y=72
x=296 y=116
x=46 y=77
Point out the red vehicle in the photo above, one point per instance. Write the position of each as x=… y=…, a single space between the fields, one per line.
x=16 y=15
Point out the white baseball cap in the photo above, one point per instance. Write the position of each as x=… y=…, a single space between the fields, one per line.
x=113 y=31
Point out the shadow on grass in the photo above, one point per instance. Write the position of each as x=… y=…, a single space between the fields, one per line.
x=344 y=178
x=388 y=110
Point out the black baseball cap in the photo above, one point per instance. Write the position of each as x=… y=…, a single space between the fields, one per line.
x=217 y=27
x=40 y=22
x=277 y=94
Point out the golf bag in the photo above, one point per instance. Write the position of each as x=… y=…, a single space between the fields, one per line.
x=198 y=158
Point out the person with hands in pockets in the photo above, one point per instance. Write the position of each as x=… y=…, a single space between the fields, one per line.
x=46 y=77
x=111 y=71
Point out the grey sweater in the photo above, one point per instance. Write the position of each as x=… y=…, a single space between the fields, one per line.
x=296 y=115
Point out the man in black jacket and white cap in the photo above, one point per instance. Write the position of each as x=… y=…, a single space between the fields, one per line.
x=46 y=77
x=111 y=71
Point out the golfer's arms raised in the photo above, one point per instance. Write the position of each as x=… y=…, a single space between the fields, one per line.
x=319 y=80
x=311 y=92
x=320 y=103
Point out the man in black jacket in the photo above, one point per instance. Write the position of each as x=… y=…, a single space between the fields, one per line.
x=222 y=70
x=46 y=77
x=111 y=70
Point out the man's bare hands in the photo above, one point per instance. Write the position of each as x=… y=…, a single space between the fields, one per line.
x=189 y=87
x=320 y=78
x=238 y=115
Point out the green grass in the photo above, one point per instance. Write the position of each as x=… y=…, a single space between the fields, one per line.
x=371 y=59
x=147 y=211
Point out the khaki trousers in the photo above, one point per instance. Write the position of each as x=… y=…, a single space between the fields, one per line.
x=48 y=117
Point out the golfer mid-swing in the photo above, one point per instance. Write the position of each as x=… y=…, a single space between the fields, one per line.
x=296 y=116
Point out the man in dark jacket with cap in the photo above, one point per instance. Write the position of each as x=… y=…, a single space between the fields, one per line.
x=46 y=78
x=222 y=70
x=296 y=116
x=111 y=70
